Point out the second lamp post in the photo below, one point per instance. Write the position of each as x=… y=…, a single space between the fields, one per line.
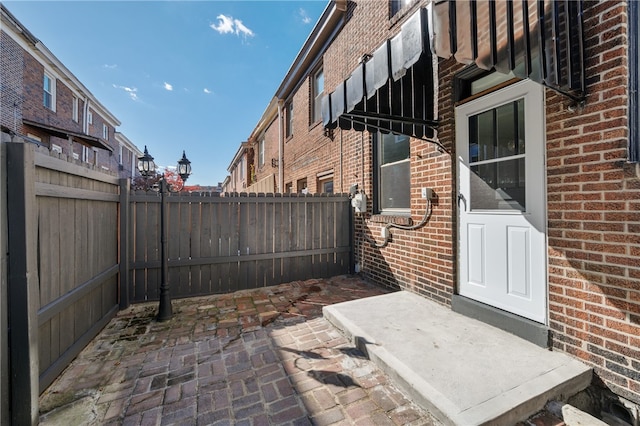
x=147 y=169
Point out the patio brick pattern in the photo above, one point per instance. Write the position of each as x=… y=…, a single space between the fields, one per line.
x=254 y=357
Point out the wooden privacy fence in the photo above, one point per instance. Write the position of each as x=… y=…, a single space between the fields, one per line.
x=81 y=246
x=239 y=241
x=63 y=266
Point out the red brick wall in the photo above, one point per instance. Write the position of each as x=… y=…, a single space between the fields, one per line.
x=418 y=260
x=33 y=108
x=307 y=152
x=594 y=212
x=271 y=151
x=11 y=91
x=593 y=194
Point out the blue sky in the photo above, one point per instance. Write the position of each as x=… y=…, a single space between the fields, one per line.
x=179 y=75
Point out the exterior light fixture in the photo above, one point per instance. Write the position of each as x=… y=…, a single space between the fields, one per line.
x=184 y=167
x=147 y=168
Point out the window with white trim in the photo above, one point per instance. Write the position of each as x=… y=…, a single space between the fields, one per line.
x=392 y=173
x=49 y=92
x=74 y=112
x=325 y=182
x=317 y=92
x=261 y=153
x=105 y=132
x=89 y=117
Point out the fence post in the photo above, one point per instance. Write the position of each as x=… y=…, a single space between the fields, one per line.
x=23 y=283
x=123 y=245
x=4 y=325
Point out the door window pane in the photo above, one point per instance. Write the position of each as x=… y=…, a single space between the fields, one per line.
x=498 y=186
x=495 y=138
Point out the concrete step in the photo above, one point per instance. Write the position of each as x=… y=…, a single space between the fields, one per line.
x=462 y=370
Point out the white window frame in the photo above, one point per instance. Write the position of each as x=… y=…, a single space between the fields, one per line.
x=56 y=148
x=317 y=92
x=75 y=116
x=261 y=152
x=380 y=205
x=105 y=132
x=89 y=117
x=49 y=93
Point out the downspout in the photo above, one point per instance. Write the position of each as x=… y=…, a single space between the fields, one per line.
x=280 y=148
x=341 y=165
x=85 y=122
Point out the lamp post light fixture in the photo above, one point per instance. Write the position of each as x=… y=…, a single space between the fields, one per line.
x=147 y=168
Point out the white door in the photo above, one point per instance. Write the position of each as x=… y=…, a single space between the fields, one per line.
x=500 y=142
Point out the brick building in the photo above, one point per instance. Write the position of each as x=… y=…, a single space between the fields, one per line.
x=496 y=146
x=240 y=170
x=44 y=102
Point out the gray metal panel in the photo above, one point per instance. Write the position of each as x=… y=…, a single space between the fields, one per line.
x=539 y=40
x=355 y=87
x=380 y=65
x=337 y=102
x=413 y=38
x=397 y=59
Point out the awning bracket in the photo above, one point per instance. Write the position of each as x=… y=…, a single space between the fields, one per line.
x=355 y=118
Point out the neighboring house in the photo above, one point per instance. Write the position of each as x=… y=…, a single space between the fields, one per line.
x=44 y=102
x=127 y=156
x=265 y=142
x=498 y=143
x=240 y=170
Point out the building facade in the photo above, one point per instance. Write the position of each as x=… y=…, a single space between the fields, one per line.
x=492 y=151
x=44 y=102
x=241 y=170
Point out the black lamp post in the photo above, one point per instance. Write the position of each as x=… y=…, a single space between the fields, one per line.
x=147 y=168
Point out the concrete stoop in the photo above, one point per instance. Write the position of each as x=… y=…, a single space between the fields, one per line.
x=462 y=370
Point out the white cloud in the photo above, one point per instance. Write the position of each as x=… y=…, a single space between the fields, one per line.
x=240 y=28
x=207 y=91
x=110 y=67
x=229 y=25
x=304 y=16
x=132 y=91
x=225 y=24
x=167 y=86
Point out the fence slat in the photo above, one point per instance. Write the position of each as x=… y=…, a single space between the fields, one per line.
x=223 y=244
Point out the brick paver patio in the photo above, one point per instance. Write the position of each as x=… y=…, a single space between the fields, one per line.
x=254 y=357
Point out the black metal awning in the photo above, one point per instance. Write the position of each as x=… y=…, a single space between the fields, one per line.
x=391 y=90
x=538 y=40
x=65 y=134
